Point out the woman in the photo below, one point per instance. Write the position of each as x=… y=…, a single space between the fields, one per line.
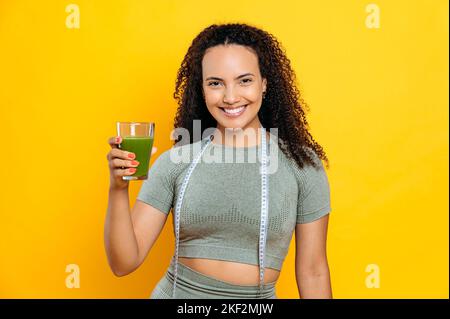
x=233 y=220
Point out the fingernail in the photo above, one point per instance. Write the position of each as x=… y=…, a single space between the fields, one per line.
x=130 y=155
x=117 y=139
x=132 y=170
x=134 y=162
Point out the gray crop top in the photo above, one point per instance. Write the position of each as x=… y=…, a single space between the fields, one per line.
x=220 y=212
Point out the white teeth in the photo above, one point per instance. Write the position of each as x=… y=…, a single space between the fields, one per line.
x=234 y=111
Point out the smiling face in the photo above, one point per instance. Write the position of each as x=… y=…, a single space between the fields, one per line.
x=232 y=86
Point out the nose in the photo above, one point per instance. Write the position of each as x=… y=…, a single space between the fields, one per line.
x=230 y=96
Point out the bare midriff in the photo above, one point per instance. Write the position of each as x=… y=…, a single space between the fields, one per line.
x=230 y=272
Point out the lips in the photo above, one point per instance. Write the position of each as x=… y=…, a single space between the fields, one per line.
x=234 y=111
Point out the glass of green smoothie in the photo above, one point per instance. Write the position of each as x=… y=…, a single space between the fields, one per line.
x=137 y=138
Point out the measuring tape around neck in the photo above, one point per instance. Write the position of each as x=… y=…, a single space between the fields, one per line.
x=264 y=209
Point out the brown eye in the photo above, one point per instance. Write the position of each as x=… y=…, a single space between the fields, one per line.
x=215 y=83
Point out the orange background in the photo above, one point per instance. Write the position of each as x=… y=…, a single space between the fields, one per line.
x=379 y=107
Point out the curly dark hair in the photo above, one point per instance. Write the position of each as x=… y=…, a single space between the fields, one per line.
x=282 y=107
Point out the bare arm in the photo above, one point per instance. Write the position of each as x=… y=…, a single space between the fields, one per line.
x=311 y=265
x=120 y=240
x=128 y=236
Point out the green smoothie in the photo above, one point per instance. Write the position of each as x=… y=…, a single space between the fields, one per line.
x=141 y=146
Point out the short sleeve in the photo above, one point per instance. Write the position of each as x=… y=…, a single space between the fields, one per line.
x=314 y=193
x=158 y=189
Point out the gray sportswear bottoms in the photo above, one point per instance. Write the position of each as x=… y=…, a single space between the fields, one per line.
x=195 y=285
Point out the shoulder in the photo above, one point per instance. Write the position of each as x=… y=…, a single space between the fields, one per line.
x=182 y=154
x=318 y=165
x=177 y=156
x=309 y=175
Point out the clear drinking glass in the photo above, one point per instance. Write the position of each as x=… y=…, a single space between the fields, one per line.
x=137 y=137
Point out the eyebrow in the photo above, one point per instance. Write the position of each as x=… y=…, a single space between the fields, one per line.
x=240 y=76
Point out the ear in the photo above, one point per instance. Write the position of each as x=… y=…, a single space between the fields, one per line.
x=264 y=84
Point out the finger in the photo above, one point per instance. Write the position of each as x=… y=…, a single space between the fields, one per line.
x=118 y=153
x=124 y=172
x=118 y=163
x=114 y=141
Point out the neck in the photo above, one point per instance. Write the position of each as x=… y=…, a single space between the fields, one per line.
x=239 y=137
